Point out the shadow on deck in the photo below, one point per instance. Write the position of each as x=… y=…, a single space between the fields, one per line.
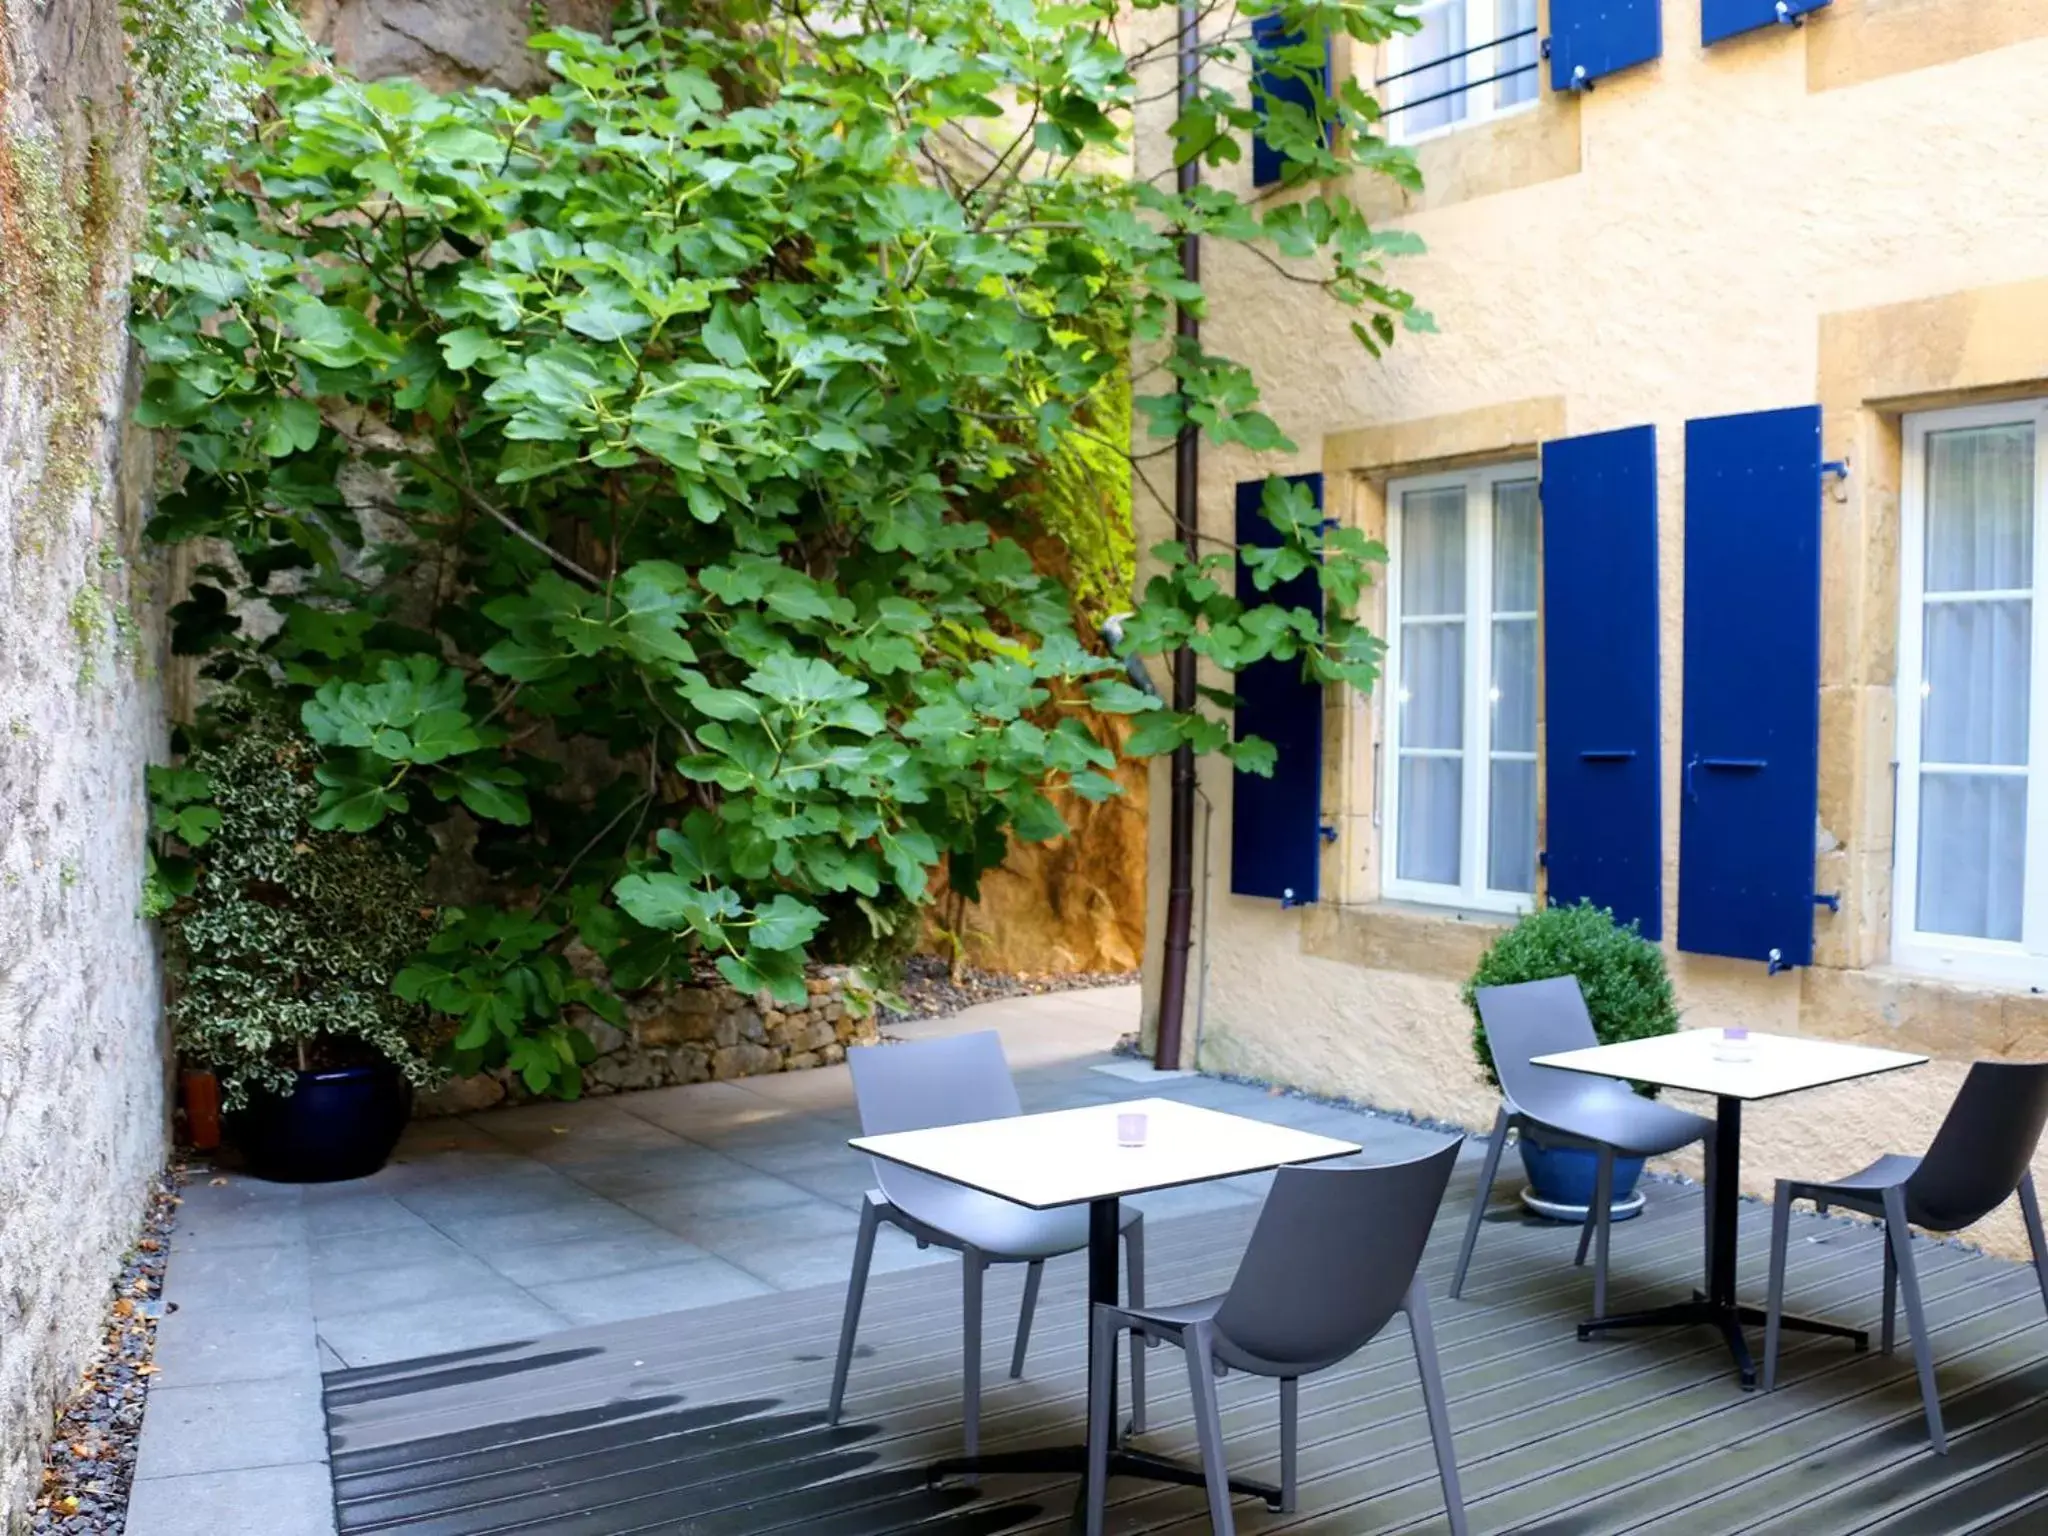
x=708 y=1422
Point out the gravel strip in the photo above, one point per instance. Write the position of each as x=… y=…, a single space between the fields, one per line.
x=929 y=991
x=91 y=1459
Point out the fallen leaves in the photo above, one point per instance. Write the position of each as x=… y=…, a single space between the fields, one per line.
x=91 y=1457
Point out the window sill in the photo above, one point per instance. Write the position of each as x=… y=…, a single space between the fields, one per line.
x=1520 y=148
x=2017 y=975
x=1469 y=125
x=1416 y=940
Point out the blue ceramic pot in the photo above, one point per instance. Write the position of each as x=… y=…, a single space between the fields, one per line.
x=333 y=1125
x=1561 y=1181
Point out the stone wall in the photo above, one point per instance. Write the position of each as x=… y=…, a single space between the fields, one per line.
x=82 y=1055
x=1075 y=905
x=698 y=1034
x=446 y=44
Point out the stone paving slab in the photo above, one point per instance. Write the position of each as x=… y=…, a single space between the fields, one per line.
x=207 y=1346
x=230 y=1426
x=272 y=1501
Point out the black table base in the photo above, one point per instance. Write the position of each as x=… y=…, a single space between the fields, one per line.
x=1105 y=1230
x=1717 y=1307
x=1730 y=1319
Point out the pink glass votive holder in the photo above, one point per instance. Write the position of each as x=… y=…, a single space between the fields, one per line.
x=1734 y=1045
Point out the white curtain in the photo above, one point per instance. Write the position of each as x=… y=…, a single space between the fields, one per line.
x=1443 y=32
x=1976 y=667
x=1510 y=17
x=1431 y=728
x=1511 y=792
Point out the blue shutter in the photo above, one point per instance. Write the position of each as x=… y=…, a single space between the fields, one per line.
x=1592 y=38
x=1276 y=846
x=1603 y=779
x=1750 y=785
x=1269 y=35
x=1725 y=18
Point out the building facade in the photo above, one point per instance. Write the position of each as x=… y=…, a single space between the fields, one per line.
x=1714 y=513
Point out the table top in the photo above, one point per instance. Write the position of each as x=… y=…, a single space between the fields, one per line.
x=1070 y=1156
x=1693 y=1059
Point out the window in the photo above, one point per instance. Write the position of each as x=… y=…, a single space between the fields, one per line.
x=1471 y=60
x=1461 y=799
x=1970 y=890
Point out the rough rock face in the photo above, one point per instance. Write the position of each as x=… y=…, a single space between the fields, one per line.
x=444 y=43
x=82 y=1057
x=1073 y=905
x=696 y=1034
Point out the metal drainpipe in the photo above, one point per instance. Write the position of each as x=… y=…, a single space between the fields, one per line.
x=1180 y=893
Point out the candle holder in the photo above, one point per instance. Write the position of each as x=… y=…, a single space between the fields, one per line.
x=1734 y=1045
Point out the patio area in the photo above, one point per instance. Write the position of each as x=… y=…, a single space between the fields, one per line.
x=619 y=1316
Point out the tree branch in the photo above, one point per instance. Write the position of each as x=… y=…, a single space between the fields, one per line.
x=482 y=504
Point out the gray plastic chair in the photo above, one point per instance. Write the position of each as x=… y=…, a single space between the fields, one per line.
x=1334 y=1256
x=1980 y=1158
x=1537 y=1018
x=955 y=1080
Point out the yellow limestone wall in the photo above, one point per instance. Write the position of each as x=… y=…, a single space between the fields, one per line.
x=1854 y=212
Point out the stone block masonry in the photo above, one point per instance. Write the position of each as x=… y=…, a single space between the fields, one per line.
x=82 y=1054
x=697 y=1034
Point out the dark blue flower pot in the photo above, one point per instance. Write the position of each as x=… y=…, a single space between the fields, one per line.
x=333 y=1125
x=1561 y=1182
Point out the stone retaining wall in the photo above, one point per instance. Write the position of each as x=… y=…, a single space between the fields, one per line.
x=698 y=1034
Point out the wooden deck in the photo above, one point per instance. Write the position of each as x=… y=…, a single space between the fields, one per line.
x=708 y=1422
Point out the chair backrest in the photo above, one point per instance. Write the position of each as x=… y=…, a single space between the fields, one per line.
x=1538 y=1018
x=1329 y=1261
x=912 y=1086
x=1984 y=1146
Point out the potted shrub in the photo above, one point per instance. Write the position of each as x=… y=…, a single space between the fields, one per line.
x=1628 y=994
x=282 y=942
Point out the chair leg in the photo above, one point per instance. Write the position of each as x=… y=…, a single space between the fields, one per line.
x=1601 y=1223
x=1134 y=1285
x=1891 y=1300
x=1899 y=1236
x=1033 y=1273
x=1209 y=1430
x=1479 y=1199
x=1101 y=1373
x=973 y=1269
x=1774 y=1306
x=856 y=1293
x=1417 y=1306
x=1707 y=1208
x=2030 y=1208
x=1290 y=1419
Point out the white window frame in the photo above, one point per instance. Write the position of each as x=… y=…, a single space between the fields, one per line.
x=1998 y=961
x=1481 y=102
x=1473 y=893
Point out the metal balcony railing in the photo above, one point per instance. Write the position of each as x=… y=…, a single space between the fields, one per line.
x=1464 y=85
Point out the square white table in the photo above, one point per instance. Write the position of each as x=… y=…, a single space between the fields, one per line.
x=1697 y=1060
x=1071 y=1157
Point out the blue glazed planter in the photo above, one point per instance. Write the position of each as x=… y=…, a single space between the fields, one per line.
x=340 y=1124
x=1561 y=1182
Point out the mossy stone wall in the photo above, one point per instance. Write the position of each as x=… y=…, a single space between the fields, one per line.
x=82 y=1057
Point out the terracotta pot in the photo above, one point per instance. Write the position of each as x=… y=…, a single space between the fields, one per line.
x=201 y=1090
